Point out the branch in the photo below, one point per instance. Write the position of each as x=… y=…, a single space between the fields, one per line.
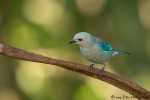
x=126 y=85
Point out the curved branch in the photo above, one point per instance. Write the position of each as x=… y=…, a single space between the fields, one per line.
x=108 y=77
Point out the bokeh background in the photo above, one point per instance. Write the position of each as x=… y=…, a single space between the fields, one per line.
x=46 y=27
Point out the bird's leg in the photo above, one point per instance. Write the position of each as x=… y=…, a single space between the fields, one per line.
x=102 y=70
x=91 y=67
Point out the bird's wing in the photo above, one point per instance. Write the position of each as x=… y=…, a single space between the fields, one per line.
x=104 y=45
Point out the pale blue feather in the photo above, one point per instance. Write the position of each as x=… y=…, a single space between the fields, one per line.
x=95 y=49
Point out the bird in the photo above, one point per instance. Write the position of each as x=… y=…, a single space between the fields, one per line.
x=95 y=49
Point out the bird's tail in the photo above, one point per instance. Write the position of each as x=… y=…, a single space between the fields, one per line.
x=122 y=52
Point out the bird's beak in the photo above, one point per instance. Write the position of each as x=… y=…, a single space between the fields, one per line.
x=72 y=41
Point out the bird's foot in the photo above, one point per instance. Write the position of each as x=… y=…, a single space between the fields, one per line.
x=101 y=71
x=91 y=67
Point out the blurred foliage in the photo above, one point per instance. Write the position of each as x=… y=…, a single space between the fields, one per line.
x=46 y=27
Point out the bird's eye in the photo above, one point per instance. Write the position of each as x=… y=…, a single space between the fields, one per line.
x=80 y=39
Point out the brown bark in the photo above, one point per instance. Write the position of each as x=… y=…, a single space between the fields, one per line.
x=124 y=84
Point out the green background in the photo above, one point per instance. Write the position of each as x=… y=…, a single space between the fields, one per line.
x=46 y=26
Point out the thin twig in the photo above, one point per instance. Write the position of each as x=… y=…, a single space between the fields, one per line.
x=124 y=84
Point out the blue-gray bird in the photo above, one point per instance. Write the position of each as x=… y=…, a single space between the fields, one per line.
x=95 y=49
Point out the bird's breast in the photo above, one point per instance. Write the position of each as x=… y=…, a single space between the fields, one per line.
x=95 y=55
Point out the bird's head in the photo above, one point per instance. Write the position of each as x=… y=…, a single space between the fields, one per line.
x=83 y=39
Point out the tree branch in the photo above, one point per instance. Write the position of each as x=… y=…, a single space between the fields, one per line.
x=126 y=85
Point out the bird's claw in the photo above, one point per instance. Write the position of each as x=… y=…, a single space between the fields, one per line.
x=101 y=71
x=91 y=67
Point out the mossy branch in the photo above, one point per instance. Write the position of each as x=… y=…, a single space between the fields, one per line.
x=117 y=81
